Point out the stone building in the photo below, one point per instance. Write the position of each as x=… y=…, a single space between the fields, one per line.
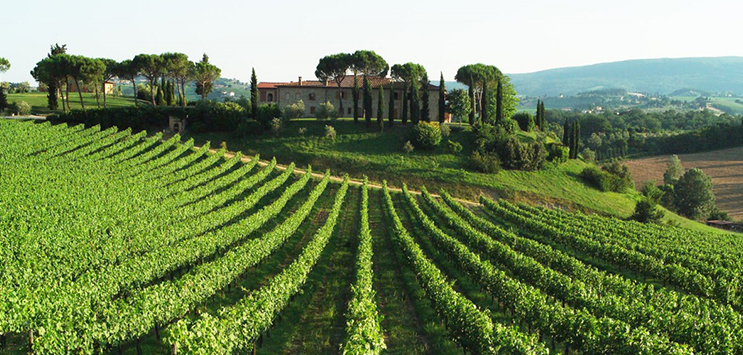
x=315 y=92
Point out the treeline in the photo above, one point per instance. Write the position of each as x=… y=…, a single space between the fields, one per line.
x=167 y=75
x=636 y=132
x=369 y=64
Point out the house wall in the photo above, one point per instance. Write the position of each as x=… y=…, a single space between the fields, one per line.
x=291 y=95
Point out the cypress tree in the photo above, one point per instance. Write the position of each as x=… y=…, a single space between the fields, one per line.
x=253 y=95
x=425 y=102
x=484 y=117
x=164 y=88
x=168 y=93
x=542 y=119
x=380 y=106
x=159 y=100
x=415 y=112
x=172 y=91
x=499 y=102
x=405 y=103
x=3 y=99
x=442 y=99
x=542 y=124
x=565 y=133
x=367 y=101
x=51 y=96
x=391 y=108
x=576 y=140
x=355 y=98
x=474 y=109
x=538 y=114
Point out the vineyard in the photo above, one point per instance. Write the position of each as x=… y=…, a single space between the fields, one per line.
x=113 y=242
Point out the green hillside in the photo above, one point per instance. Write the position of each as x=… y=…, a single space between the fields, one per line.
x=361 y=151
x=662 y=76
x=145 y=245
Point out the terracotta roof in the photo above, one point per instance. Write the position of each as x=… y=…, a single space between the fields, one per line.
x=346 y=83
x=268 y=85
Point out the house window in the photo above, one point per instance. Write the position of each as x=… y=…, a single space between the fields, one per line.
x=270 y=97
x=298 y=96
x=397 y=95
x=312 y=96
x=288 y=97
x=342 y=94
x=312 y=110
x=349 y=110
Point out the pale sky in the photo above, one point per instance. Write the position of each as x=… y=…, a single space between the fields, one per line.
x=285 y=39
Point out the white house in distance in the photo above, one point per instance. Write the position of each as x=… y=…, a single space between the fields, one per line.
x=315 y=92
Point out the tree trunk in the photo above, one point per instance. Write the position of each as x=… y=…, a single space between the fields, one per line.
x=103 y=88
x=340 y=100
x=152 y=93
x=183 y=88
x=80 y=93
x=178 y=88
x=67 y=93
x=97 y=99
x=59 y=94
x=134 y=85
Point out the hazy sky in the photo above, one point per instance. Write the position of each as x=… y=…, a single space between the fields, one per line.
x=285 y=39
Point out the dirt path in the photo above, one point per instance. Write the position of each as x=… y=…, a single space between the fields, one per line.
x=339 y=179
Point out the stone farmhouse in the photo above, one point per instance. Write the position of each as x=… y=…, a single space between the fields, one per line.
x=315 y=92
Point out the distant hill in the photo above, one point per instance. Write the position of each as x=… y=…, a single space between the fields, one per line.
x=662 y=76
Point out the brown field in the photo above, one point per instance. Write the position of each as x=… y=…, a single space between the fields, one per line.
x=724 y=166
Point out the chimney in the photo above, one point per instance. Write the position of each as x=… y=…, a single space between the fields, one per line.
x=325 y=82
x=300 y=81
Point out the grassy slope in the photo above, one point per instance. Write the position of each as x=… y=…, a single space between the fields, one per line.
x=38 y=101
x=365 y=151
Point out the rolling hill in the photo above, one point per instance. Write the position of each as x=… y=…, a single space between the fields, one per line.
x=662 y=76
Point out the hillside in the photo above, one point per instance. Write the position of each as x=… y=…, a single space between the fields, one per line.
x=361 y=151
x=662 y=76
x=176 y=250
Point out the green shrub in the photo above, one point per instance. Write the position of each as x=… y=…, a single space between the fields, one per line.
x=276 y=125
x=525 y=121
x=427 y=135
x=717 y=215
x=486 y=163
x=266 y=113
x=210 y=116
x=330 y=133
x=652 y=192
x=445 y=130
x=623 y=178
x=557 y=153
x=588 y=155
x=21 y=108
x=326 y=111
x=294 y=110
x=408 y=147
x=453 y=147
x=647 y=211
x=595 y=177
x=615 y=177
